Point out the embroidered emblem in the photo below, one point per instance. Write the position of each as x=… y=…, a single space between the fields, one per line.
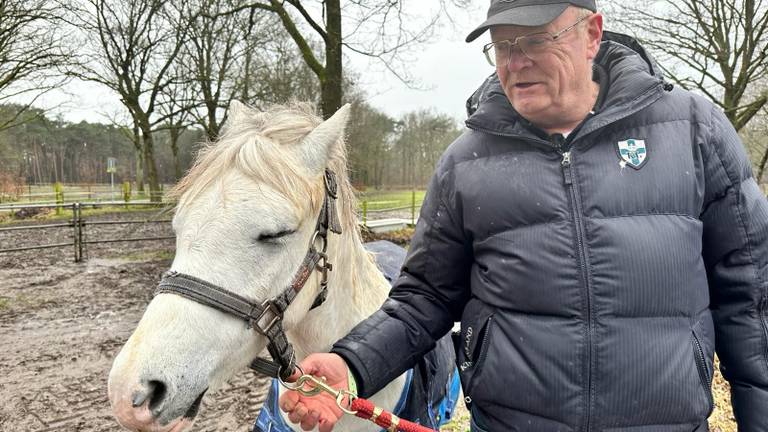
x=633 y=152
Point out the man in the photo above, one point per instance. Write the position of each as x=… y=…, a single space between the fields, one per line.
x=595 y=231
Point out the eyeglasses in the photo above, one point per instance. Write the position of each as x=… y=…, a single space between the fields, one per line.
x=533 y=45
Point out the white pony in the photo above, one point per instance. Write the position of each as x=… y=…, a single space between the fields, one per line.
x=246 y=212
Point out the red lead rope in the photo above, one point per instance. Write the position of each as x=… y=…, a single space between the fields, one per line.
x=309 y=385
x=392 y=423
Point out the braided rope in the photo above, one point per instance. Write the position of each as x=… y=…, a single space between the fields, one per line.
x=390 y=422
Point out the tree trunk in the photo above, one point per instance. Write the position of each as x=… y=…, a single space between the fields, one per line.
x=761 y=170
x=139 y=159
x=175 y=132
x=330 y=84
x=149 y=161
x=140 y=170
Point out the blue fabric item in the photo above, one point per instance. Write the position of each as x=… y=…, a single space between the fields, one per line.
x=389 y=258
x=269 y=419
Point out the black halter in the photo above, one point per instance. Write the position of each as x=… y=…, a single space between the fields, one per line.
x=267 y=317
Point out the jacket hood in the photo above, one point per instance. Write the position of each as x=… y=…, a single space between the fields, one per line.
x=632 y=74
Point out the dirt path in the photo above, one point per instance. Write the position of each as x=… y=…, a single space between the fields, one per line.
x=62 y=323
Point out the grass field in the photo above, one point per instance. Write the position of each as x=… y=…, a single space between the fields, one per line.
x=375 y=200
x=65 y=213
x=388 y=199
x=72 y=193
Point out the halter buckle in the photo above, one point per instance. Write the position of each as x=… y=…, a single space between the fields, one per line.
x=277 y=316
x=323 y=266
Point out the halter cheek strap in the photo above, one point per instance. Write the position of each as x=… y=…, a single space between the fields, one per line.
x=267 y=317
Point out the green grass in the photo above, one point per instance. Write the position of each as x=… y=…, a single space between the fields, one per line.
x=50 y=214
x=386 y=199
x=4 y=303
x=75 y=193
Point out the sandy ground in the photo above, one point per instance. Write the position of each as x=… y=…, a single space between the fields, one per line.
x=62 y=323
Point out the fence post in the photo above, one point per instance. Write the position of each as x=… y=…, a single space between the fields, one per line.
x=126 y=192
x=413 y=207
x=76 y=227
x=365 y=213
x=58 y=191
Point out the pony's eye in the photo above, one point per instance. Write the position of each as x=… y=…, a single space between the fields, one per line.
x=271 y=237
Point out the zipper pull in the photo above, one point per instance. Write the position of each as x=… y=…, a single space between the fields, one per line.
x=566 y=163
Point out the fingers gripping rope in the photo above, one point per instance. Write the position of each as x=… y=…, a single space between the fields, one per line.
x=349 y=403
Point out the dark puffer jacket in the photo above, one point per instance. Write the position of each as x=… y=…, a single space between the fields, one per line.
x=591 y=291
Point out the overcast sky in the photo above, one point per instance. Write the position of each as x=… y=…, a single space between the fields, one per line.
x=449 y=70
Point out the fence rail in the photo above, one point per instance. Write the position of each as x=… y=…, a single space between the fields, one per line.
x=78 y=225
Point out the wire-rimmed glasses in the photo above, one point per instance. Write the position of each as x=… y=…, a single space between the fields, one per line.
x=533 y=45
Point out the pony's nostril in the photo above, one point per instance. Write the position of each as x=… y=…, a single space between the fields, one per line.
x=152 y=391
x=157 y=392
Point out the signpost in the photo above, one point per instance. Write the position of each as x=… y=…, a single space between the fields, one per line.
x=111 y=168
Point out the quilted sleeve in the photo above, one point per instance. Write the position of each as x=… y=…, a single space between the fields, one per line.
x=735 y=251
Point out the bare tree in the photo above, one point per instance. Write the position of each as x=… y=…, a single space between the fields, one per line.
x=422 y=136
x=177 y=106
x=215 y=55
x=378 y=29
x=718 y=47
x=130 y=47
x=31 y=53
x=754 y=137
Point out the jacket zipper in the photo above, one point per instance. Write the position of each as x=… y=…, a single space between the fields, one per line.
x=480 y=358
x=484 y=342
x=578 y=223
x=483 y=346
x=703 y=371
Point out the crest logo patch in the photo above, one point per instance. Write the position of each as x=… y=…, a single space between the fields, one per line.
x=633 y=152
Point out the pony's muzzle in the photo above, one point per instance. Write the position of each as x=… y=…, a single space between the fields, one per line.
x=151 y=406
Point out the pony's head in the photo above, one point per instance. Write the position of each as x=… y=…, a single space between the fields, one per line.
x=245 y=217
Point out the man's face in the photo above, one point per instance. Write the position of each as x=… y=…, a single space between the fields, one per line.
x=551 y=90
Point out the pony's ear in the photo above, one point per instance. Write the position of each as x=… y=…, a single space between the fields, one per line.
x=317 y=145
x=237 y=112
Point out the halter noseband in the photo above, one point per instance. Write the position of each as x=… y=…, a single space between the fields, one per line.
x=267 y=317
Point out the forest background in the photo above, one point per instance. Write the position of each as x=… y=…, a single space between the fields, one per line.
x=174 y=67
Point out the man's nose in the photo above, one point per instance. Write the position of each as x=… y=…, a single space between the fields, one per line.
x=517 y=60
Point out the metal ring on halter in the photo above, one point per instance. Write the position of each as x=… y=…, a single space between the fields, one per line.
x=314 y=239
x=290 y=386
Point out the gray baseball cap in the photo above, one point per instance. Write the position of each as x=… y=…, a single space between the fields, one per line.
x=528 y=13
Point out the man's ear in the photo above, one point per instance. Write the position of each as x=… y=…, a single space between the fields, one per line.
x=594 y=35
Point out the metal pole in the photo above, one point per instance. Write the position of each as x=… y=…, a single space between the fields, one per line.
x=413 y=207
x=365 y=213
x=76 y=234
x=81 y=225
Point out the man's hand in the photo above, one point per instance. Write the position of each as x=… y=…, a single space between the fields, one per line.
x=320 y=410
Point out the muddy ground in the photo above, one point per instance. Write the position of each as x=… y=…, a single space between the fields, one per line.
x=62 y=323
